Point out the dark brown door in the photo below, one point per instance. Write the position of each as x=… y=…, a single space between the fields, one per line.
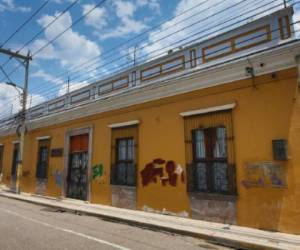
x=15 y=161
x=43 y=159
x=77 y=179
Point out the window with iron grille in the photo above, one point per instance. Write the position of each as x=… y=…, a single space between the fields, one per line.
x=1 y=158
x=15 y=160
x=43 y=158
x=209 y=149
x=123 y=169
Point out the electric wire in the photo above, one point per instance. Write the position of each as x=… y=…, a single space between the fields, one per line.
x=158 y=40
x=163 y=49
x=24 y=24
x=166 y=81
x=119 y=46
x=186 y=61
x=43 y=29
x=125 y=55
x=61 y=33
x=214 y=31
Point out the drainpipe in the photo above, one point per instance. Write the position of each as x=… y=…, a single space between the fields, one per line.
x=298 y=67
x=296 y=95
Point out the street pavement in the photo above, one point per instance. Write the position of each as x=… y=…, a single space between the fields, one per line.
x=32 y=227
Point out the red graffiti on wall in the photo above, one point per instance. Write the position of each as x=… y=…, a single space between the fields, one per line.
x=155 y=170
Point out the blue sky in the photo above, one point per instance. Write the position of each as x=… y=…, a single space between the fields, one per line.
x=94 y=40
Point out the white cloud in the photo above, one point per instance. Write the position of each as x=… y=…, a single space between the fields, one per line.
x=60 y=88
x=124 y=8
x=9 y=5
x=45 y=76
x=128 y=24
x=74 y=86
x=70 y=49
x=48 y=52
x=10 y=100
x=296 y=20
x=96 y=18
x=151 y=4
x=35 y=99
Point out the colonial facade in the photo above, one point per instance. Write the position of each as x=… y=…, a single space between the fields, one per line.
x=211 y=131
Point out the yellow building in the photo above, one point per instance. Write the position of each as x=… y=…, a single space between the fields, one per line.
x=211 y=131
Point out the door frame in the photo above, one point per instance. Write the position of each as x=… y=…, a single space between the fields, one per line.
x=69 y=133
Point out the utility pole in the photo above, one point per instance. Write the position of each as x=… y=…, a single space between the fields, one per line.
x=134 y=55
x=24 y=60
x=68 y=86
x=23 y=124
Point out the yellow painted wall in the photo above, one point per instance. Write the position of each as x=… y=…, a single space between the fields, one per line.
x=266 y=112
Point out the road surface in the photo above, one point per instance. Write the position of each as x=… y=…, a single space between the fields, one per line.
x=25 y=226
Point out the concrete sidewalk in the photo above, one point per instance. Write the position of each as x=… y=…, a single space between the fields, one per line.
x=229 y=235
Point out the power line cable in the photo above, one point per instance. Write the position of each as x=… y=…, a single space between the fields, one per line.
x=203 y=36
x=215 y=31
x=206 y=35
x=24 y=23
x=134 y=38
x=111 y=50
x=123 y=43
x=165 y=37
x=4 y=73
x=244 y=42
x=165 y=81
x=61 y=33
x=237 y=44
x=190 y=25
x=44 y=28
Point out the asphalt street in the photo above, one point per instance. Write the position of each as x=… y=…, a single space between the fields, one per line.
x=25 y=226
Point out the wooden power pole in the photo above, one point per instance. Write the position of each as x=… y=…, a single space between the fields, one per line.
x=24 y=59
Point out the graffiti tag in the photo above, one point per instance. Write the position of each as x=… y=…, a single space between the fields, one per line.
x=58 y=177
x=264 y=174
x=154 y=171
x=97 y=171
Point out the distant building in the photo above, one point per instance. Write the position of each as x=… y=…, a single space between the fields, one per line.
x=211 y=131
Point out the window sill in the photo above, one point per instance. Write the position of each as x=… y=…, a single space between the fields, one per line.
x=213 y=196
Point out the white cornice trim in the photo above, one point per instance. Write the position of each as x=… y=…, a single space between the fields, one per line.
x=123 y=124
x=43 y=137
x=208 y=110
x=15 y=142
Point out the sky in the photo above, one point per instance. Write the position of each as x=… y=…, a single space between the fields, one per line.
x=89 y=40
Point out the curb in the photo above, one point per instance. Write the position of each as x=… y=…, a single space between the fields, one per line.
x=209 y=237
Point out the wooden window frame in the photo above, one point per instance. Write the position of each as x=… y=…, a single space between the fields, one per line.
x=118 y=140
x=209 y=160
x=120 y=131
x=114 y=171
x=232 y=41
x=205 y=119
x=162 y=72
